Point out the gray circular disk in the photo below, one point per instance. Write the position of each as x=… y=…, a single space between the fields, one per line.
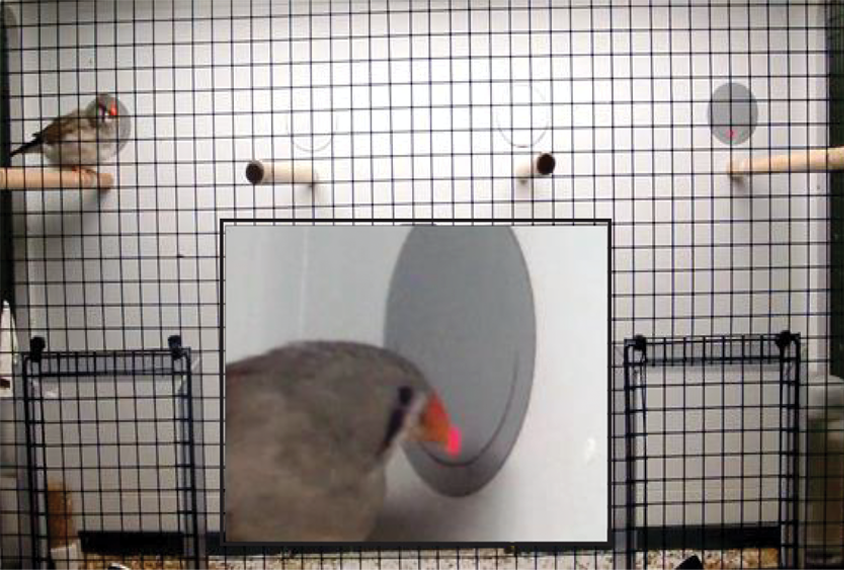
x=460 y=307
x=732 y=113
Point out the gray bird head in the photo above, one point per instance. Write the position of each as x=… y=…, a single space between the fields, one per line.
x=103 y=109
x=420 y=417
x=112 y=117
x=369 y=398
x=416 y=412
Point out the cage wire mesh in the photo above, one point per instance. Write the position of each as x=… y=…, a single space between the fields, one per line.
x=110 y=432
x=426 y=110
x=712 y=458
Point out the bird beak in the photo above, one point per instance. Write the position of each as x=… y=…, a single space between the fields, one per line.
x=434 y=426
x=112 y=110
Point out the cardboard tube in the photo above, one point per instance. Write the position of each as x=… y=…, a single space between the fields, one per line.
x=283 y=172
x=38 y=179
x=819 y=160
x=61 y=528
x=540 y=165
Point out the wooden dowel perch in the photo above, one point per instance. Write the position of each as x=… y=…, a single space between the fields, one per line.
x=540 y=165
x=38 y=178
x=289 y=172
x=819 y=160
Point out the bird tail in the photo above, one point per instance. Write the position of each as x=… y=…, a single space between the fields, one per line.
x=31 y=145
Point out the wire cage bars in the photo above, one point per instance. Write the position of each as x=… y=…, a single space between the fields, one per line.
x=426 y=109
x=712 y=474
x=712 y=446
x=111 y=454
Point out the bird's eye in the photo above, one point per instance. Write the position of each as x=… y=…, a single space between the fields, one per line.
x=405 y=395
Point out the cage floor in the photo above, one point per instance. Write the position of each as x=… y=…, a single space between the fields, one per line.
x=483 y=560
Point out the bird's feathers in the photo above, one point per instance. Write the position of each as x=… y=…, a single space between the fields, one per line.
x=53 y=133
x=83 y=138
x=322 y=392
x=60 y=128
x=31 y=146
x=305 y=435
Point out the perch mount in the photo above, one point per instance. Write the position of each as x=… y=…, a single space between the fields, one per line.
x=281 y=172
x=540 y=166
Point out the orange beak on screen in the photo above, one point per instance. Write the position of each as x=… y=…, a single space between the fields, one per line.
x=435 y=426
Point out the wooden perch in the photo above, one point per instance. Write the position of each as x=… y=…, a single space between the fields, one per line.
x=820 y=160
x=38 y=179
x=289 y=172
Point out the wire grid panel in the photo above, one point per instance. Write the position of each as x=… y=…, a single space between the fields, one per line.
x=712 y=430
x=113 y=429
x=423 y=102
x=423 y=109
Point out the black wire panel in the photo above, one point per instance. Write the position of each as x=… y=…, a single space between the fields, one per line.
x=110 y=454
x=712 y=445
x=426 y=109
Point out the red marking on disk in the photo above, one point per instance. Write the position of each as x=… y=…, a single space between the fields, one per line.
x=454 y=441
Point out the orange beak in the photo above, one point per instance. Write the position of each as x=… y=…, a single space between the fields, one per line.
x=112 y=110
x=436 y=427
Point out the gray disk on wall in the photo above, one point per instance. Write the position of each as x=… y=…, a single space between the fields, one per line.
x=461 y=308
x=733 y=113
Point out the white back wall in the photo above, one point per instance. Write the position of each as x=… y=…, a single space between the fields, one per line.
x=401 y=106
x=307 y=297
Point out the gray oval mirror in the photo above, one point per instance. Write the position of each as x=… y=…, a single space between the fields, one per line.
x=460 y=307
x=732 y=113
